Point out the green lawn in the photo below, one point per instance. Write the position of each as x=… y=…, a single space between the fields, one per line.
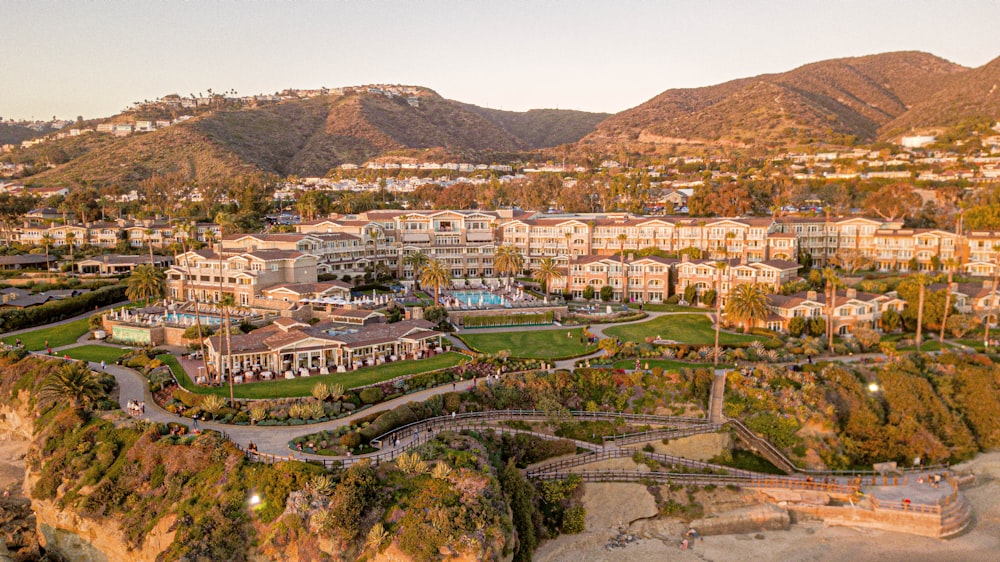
x=531 y=344
x=57 y=336
x=650 y=307
x=683 y=328
x=302 y=386
x=927 y=345
x=666 y=364
x=95 y=353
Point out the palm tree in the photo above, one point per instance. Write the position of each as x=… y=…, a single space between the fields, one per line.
x=922 y=280
x=621 y=261
x=747 y=303
x=720 y=266
x=70 y=239
x=436 y=275
x=227 y=302
x=832 y=282
x=190 y=229
x=950 y=264
x=46 y=241
x=149 y=244
x=417 y=260
x=73 y=383
x=508 y=261
x=145 y=282
x=546 y=271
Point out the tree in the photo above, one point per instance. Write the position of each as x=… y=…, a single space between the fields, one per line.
x=961 y=324
x=70 y=241
x=546 y=271
x=588 y=292
x=747 y=304
x=621 y=258
x=12 y=208
x=832 y=284
x=797 y=326
x=893 y=202
x=146 y=282
x=416 y=260
x=74 y=383
x=508 y=260
x=850 y=260
x=46 y=241
x=950 y=264
x=817 y=327
x=607 y=292
x=227 y=302
x=890 y=321
x=720 y=266
x=436 y=275
x=922 y=281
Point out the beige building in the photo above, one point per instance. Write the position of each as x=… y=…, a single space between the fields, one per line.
x=206 y=276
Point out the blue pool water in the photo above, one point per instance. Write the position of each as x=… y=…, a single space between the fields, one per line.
x=472 y=298
x=184 y=318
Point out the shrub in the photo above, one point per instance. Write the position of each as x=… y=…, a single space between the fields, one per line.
x=574 y=520
x=350 y=440
x=371 y=395
x=452 y=401
x=607 y=292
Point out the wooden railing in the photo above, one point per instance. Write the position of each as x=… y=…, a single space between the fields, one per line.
x=668 y=460
x=686 y=478
x=664 y=433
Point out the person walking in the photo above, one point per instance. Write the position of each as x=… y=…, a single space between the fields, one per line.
x=195 y=420
x=103 y=365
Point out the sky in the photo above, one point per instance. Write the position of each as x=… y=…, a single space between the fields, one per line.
x=95 y=57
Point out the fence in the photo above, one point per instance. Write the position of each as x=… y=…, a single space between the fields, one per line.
x=682 y=478
x=608 y=454
x=665 y=433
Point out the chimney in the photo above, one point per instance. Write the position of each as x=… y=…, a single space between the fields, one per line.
x=987 y=284
x=852 y=293
x=811 y=295
x=685 y=258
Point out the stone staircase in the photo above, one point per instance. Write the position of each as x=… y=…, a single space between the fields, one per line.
x=956 y=517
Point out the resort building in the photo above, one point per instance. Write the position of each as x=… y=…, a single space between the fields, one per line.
x=290 y=348
x=851 y=309
x=205 y=276
x=704 y=275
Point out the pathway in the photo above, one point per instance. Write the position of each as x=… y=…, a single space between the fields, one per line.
x=62 y=322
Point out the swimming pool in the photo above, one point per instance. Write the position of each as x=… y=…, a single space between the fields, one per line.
x=475 y=298
x=187 y=318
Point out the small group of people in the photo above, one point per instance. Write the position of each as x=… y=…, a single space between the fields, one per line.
x=252 y=447
x=136 y=407
x=689 y=537
x=933 y=479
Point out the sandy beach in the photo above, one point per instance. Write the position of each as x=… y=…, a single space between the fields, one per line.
x=810 y=541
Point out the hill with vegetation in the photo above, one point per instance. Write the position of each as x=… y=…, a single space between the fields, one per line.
x=305 y=137
x=543 y=128
x=840 y=100
x=962 y=97
x=14 y=133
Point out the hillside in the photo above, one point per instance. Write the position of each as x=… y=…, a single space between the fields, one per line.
x=14 y=133
x=962 y=96
x=308 y=137
x=829 y=100
x=543 y=128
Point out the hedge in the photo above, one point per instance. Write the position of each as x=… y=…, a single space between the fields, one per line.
x=54 y=311
x=502 y=320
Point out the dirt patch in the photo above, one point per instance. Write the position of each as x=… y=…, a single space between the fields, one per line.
x=700 y=447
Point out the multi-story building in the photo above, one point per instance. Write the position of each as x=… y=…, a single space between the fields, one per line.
x=851 y=309
x=647 y=279
x=704 y=275
x=205 y=275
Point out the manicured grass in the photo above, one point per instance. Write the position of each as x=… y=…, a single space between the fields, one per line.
x=95 y=353
x=531 y=344
x=302 y=386
x=926 y=345
x=683 y=328
x=57 y=336
x=666 y=364
x=666 y=308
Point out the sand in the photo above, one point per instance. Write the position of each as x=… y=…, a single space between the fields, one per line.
x=804 y=542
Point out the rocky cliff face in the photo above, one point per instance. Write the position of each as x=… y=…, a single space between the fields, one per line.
x=57 y=530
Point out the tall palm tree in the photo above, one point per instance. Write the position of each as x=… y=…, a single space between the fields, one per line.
x=621 y=260
x=417 y=260
x=227 y=302
x=993 y=295
x=832 y=282
x=950 y=264
x=149 y=244
x=190 y=230
x=73 y=383
x=922 y=280
x=70 y=240
x=747 y=303
x=720 y=266
x=569 y=252
x=46 y=241
x=546 y=271
x=508 y=261
x=436 y=275
x=145 y=282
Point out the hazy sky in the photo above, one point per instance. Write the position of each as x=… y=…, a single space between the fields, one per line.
x=95 y=57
